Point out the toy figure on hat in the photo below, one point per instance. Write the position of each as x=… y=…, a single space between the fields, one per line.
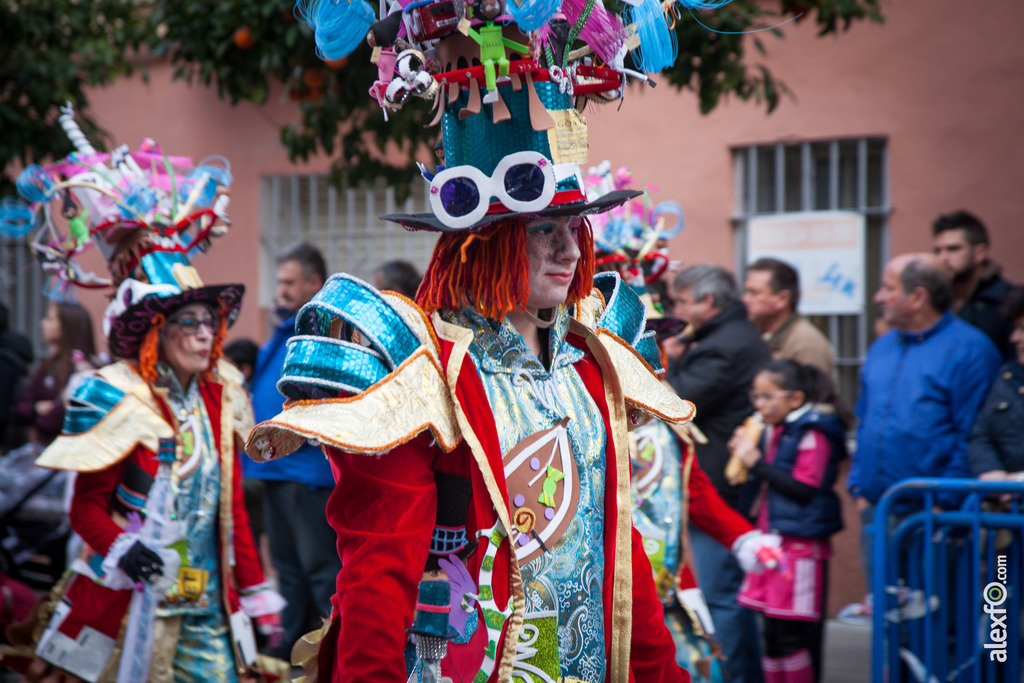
x=170 y=580
x=492 y=45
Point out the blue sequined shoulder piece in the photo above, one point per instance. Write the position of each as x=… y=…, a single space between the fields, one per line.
x=90 y=402
x=319 y=365
x=626 y=316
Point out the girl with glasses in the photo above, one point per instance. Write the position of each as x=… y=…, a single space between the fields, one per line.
x=792 y=469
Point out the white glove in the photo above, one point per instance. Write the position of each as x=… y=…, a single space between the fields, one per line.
x=756 y=551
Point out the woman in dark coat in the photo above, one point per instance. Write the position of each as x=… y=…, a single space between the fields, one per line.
x=996 y=451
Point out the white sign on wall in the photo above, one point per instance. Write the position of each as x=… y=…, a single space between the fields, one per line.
x=825 y=247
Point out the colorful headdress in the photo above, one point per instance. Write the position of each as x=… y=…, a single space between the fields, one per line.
x=632 y=238
x=509 y=80
x=146 y=212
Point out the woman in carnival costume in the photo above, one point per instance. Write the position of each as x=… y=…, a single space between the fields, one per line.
x=171 y=581
x=668 y=487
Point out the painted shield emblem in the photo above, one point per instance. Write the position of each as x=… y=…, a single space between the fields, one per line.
x=543 y=487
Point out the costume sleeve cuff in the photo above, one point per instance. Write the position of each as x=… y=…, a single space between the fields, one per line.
x=113 y=576
x=261 y=599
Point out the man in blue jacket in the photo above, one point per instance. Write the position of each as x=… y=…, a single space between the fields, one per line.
x=303 y=547
x=921 y=386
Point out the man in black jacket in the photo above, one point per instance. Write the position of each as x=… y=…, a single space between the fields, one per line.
x=960 y=241
x=713 y=364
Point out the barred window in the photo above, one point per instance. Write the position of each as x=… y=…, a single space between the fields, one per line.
x=342 y=223
x=22 y=285
x=846 y=174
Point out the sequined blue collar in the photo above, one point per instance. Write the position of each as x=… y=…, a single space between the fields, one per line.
x=498 y=347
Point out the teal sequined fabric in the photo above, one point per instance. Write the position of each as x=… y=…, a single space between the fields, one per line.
x=91 y=401
x=525 y=398
x=626 y=316
x=479 y=142
x=204 y=652
x=317 y=365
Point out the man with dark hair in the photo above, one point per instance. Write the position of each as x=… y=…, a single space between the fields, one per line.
x=771 y=295
x=243 y=353
x=960 y=241
x=713 y=365
x=921 y=387
x=302 y=543
x=397 y=276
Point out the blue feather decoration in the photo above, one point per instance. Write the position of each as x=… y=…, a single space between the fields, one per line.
x=531 y=15
x=658 y=45
x=15 y=217
x=35 y=184
x=338 y=25
x=703 y=4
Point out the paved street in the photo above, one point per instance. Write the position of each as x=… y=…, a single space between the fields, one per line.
x=847 y=653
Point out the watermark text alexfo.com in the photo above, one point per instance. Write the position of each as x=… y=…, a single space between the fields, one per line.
x=994 y=595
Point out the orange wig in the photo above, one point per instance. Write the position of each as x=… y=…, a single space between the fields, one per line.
x=489 y=270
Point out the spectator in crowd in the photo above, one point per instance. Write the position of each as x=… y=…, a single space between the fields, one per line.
x=771 y=295
x=713 y=366
x=397 y=276
x=960 y=241
x=996 y=451
x=40 y=525
x=243 y=353
x=921 y=387
x=67 y=330
x=302 y=543
x=793 y=467
x=15 y=358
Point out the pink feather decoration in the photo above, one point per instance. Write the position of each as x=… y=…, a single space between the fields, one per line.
x=603 y=31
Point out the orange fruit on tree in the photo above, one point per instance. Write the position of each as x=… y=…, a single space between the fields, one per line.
x=243 y=38
x=314 y=78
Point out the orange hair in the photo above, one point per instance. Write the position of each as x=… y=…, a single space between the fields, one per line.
x=149 y=352
x=217 y=351
x=489 y=270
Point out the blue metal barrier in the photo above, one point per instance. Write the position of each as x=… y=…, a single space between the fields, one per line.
x=947 y=583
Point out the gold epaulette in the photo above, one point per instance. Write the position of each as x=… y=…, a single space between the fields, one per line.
x=641 y=386
x=410 y=400
x=135 y=419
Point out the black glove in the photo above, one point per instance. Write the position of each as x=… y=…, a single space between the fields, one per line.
x=140 y=563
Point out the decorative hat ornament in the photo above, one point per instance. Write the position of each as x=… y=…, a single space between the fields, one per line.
x=633 y=237
x=508 y=81
x=147 y=213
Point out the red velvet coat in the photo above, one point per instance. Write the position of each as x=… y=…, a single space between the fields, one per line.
x=383 y=510
x=93 y=516
x=91 y=506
